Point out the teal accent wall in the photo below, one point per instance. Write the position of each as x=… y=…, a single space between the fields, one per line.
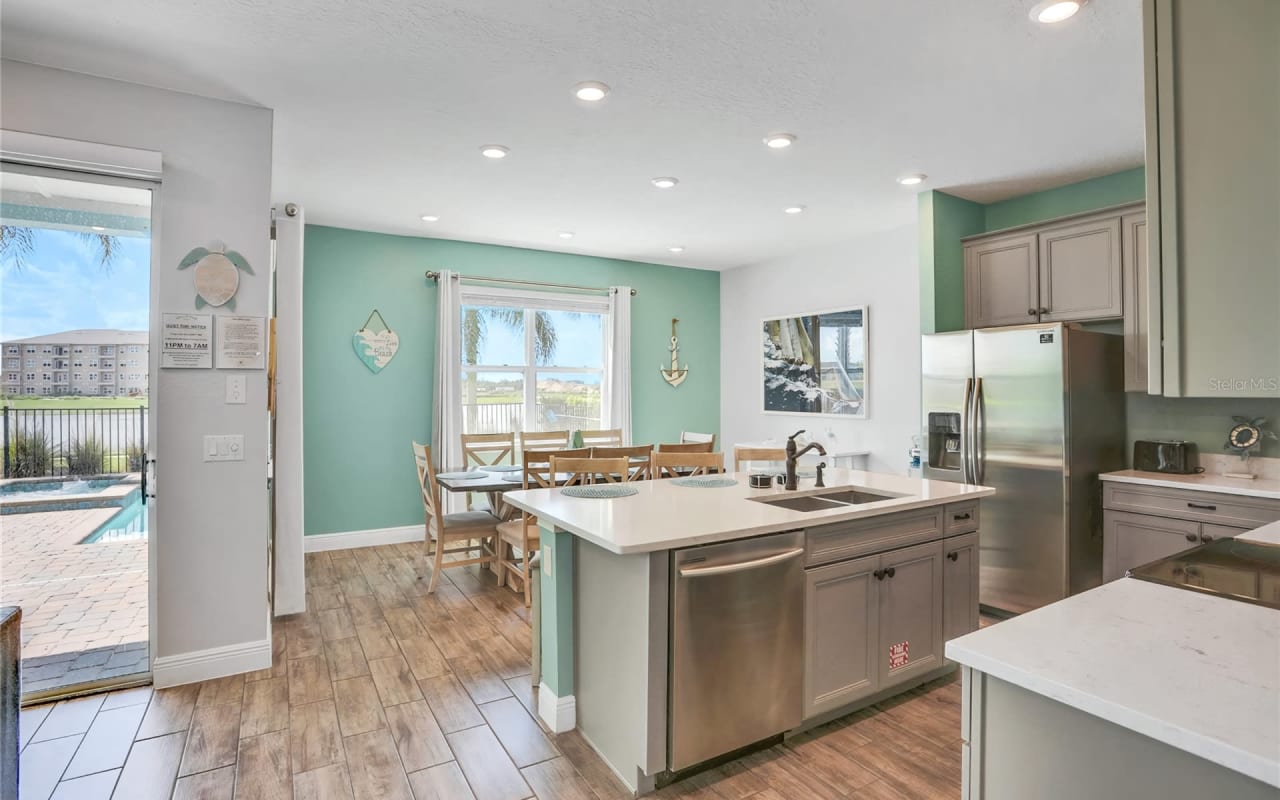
x=557 y=634
x=1109 y=190
x=943 y=220
x=359 y=472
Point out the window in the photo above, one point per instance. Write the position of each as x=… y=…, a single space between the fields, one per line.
x=11 y=349
x=93 y=376
x=532 y=362
x=31 y=390
x=77 y=375
x=93 y=363
x=31 y=376
x=47 y=364
x=46 y=376
x=107 y=351
x=78 y=350
x=31 y=362
x=31 y=349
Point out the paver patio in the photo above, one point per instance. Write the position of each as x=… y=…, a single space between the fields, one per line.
x=84 y=606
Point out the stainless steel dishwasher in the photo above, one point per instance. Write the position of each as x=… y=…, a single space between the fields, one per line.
x=737 y=640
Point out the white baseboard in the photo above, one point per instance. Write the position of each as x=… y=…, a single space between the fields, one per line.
x=216 y=662
x=375 y=536
x=559 y=713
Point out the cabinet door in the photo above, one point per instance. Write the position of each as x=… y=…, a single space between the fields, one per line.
x=1080 y=271
x=841 y=607
x=1137 y=319
x=910 y=612
x=1131 y=540
x=1000 y=277
x=960 y=586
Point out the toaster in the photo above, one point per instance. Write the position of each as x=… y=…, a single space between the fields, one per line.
x=1166 y=456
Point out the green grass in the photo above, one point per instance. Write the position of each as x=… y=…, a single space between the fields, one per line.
x=75 y=402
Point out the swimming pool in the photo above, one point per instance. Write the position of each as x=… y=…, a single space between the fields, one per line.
x=41 y=489
x=126 y=525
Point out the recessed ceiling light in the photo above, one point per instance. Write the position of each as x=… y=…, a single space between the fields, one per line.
x=779 y=141
x=664 y=183
x=566 y=234
x=793 y=209
x=97 y=227
x=430 y=218
x=912 y=179
x=591 y=91
x=1051 y=11
x=675 y=248
x=494 y=151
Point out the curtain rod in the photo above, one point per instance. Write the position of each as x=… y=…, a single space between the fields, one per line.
x=435 y=276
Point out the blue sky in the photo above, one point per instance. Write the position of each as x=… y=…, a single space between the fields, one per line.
x=579 y=343
x=61 y=286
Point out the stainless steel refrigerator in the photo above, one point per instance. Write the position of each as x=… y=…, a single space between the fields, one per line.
x=1036 y=411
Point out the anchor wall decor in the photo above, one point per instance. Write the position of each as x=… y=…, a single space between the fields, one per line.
x=675 y=375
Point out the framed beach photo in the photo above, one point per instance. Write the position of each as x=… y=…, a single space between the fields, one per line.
x=816 y=363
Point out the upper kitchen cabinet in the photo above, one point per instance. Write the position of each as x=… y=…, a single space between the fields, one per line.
x=1001 y=281
x=1080 y=271
x=1213 y=189
x=1137 y=315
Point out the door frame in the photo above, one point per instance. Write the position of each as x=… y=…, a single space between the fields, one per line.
x=117 y=166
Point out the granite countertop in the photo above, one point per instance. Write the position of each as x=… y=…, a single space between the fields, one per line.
x=664 y=515
x=1194 y=671
x=1203 y=481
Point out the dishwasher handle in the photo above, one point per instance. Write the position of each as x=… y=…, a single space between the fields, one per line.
x=739 y=566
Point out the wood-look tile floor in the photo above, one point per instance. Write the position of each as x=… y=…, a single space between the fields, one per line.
x=382 y=691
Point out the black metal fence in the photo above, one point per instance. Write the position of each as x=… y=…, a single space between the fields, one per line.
x=53 y=442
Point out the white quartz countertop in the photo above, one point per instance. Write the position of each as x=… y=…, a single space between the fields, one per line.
x=1195 y=671
x=1203 y=482
x=664 y=515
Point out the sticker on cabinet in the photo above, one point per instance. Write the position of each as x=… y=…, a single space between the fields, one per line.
x=899 y=654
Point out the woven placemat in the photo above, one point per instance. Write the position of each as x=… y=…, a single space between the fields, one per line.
x=599 y=492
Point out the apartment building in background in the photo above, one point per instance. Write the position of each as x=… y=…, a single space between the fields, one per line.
x=91 y=363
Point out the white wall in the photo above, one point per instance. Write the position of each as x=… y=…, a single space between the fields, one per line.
x=211 y=532
x=880 y=271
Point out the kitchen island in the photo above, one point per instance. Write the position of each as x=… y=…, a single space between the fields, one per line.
x=1133 y=690
x=681 y=623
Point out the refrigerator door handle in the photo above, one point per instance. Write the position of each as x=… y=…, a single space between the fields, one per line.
x=979 y=432
x=966 y=441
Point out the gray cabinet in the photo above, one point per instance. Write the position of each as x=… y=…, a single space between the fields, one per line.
x=1213 y=187
x=1001 y=281
x=959 y=586
x=910 y=612
x=1131 y=540
x=842 y=606
x=1080 y=271
x=1137 y=316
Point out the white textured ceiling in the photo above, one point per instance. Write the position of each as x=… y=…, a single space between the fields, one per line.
x=381 y=106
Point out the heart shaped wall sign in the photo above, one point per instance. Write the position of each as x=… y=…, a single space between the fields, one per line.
x=376 y=349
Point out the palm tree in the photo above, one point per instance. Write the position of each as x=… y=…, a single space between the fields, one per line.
x=475 y=322
x=17 y=243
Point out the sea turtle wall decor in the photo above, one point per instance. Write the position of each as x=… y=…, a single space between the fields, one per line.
x=216 y=275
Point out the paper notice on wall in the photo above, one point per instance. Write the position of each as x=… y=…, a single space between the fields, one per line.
x=242 y=342
x=186 y=341
x=899 y=654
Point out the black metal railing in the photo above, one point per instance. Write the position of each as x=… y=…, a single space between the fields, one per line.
x=53 y=442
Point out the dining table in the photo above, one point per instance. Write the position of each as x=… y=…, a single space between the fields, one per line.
x=493 y=481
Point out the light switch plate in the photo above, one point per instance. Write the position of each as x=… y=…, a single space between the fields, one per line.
x=235 y=389
x=226 y=447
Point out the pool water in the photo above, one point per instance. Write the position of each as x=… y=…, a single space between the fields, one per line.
x=41 y=489
x=128 y=524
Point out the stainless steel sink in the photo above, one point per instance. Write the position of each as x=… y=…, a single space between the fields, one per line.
x=807 y=503
x=825 y=501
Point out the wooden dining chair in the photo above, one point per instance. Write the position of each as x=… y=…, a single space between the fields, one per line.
x=609 y=438
x=688 y=447
x=544 y=440
x=518 y=539
x=692 y=437
x=441 y=528
x=638 y=470
x=743 y=455
x=585 y=471
x=486 y=450
x=679 y=465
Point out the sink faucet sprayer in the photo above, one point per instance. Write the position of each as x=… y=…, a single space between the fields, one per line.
x=793 y=455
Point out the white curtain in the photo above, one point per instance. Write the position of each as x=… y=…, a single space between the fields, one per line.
x=617 y=373
x=446 y=428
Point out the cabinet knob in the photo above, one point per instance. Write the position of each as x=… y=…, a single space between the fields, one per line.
x=1206 y=539
x=891 y=572
x=1031 y=312
x=1044 y=309
x=953 y=555
x=1191 y=537
x=879 y=574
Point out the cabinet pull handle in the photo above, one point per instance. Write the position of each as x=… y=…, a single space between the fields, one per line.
x=879 y=574
x=1191 y=537
x=891 y=572
x=953 y=555
x=1204 y=506
x=965 y=515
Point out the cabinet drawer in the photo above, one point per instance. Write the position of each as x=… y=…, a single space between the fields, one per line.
x=1221 y=509
x=828 y=543
x=960 y=517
